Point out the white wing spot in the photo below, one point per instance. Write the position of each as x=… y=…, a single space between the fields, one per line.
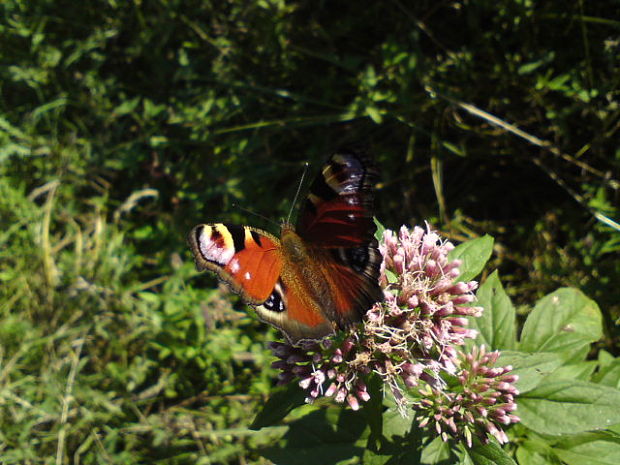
x=247 y=275
x=234 y=265
x=213 y=252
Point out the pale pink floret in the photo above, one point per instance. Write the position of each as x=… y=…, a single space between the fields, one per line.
x=411 y=340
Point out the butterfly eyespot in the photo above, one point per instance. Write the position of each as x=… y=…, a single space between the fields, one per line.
x=318 y=276
x=274 y=303
x=357 y=257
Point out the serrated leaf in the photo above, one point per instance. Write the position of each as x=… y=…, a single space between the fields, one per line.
x=531 y=368
x=526 y=455
x=437 y=451
x=569 y=407
x=474 y=254
x=487 y=454
x=496 y=325
x=608 y=374
x=593 y=449
x=323 y=436
x=280 y=403
x=564 y=321
x=580 y=370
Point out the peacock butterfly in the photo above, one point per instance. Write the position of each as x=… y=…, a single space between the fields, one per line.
x=317 y=277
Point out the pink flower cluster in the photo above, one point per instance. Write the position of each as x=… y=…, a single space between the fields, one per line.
x=411 y=340
x=483 y=399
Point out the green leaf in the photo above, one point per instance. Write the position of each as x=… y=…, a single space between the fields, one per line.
x=126 y=107
x=282 y=401
x=380 y=229
x=151 y=110
x=374 y=113
x=391 y=276
x=496 y=325
x=580 y=370
x=323 y=436
x=436 y=451
x=527 y=68
x=591 y=448
x=401 y=440
x=394 y=424
x=455 y=149
x=486 y=454
x=149 y=297
x=531 y=368
x=526 y=454
x=564 y=321
x=474 y=254
x=569 y=407
x=609 y=374
x=372 y=457
x=373 y=410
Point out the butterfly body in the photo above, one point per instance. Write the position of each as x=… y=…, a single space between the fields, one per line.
x=316 y=278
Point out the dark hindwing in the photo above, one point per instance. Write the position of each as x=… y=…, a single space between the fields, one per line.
x=336 y=243
x=355 y=275
x=339 y=207
x=337 y=217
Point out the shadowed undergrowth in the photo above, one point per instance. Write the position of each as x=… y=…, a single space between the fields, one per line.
x=123 y=124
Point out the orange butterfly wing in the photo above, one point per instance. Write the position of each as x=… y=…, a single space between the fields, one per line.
x=353 y=275
x=294 y=313
x=248 y=259
x=323 y=277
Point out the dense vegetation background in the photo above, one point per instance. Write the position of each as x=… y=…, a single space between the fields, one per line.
x=124 y=123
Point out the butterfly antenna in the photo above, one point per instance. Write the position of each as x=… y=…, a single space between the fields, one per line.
x=301 y=183
x=269 y=220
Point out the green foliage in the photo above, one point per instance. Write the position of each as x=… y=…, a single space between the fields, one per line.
x=566 y=408
x=123 y=124
x=473 y=262
x=496 y=327
x=98 y=363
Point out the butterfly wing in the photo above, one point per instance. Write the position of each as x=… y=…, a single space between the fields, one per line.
x=336 y=221
x=248 y=259
x=354 y=277
x=332 y=282
x=294 y=313
x=338 y=210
